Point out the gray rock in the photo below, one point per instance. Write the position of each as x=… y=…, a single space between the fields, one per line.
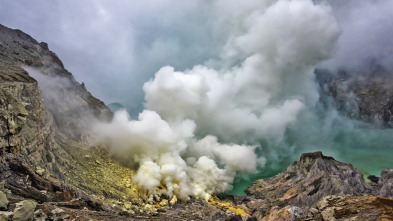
x=5 y=216
x=295 y=211
x=289 y=213
x=24 y=210
x=39 y=215
x=360 y=208
x=307 y=181
x=385 y=183
x=318 y=187
x=3 y=201
x=59 y=214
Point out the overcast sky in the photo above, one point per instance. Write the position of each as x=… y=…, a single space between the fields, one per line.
x=116 y=46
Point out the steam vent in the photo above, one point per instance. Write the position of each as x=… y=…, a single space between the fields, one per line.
x=223 y=110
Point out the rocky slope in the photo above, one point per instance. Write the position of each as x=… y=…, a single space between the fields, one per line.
x=316 y=184
x=50 y=171
x=44 y=129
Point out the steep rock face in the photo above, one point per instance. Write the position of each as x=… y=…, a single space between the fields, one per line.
x=23 y=119
x=385 y=184
x=29 y=123
x=70 y=104
x=23 y=115
x=44 y=126
x=365 y=94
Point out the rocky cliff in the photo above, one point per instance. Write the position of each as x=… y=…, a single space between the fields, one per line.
x=315 y=184
x=44 y=129
x=50 y=171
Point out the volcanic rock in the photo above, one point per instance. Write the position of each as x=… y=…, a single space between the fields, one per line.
x=24 y=210
x=385 y=184
x=362 y=208
x=289 y=213
x=5 y=216
x=39 y=215
x=3 y=201
x=59 y=214
x=44 y=125
x=318 y=187
x=308 y=180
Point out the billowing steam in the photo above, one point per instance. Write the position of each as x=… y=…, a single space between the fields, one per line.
x=184 y=140
x=169 y=154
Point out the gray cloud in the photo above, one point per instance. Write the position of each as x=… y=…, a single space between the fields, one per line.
x=114 y=47
x=367 y=33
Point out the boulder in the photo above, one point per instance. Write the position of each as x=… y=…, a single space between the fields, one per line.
x=3 y=201
x=59 y=214
x=5 y=216
x=289 y=213
x=24 y=210
x=39 y=215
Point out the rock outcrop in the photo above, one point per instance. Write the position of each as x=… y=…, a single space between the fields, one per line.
x=362 y=208
x=301 y=191
x=3 y=201
x=308 y=180
x=385 y=184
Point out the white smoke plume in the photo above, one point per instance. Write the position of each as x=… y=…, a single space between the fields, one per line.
x=169 y=154
x=278 y=47
x=184 y=140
